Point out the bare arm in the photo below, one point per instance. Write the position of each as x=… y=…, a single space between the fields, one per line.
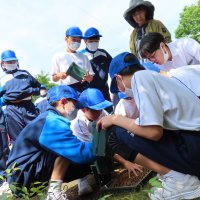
x=58 y=76
x=153 y=132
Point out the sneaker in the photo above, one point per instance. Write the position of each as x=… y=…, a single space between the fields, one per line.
x=5 y=189
x=84 y=187
x=56 y=195
x=189 y=188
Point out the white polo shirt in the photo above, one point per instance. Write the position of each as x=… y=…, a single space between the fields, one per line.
x=82 y=127
x=165 y=102
x=185 y=51
x=126 y=107
x=62 y=61
x=189 y=76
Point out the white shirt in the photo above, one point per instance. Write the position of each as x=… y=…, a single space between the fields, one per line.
x=82 y=127
x=189 y=76
x=165 y=102
x=185 y=51
x=126 y=107
x=62 y=61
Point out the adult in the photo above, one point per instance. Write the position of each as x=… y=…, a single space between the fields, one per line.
x=140 y=16
x=62 y=62
x=100 y=60
x=165 y=135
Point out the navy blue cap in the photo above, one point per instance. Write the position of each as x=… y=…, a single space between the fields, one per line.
x=93 y=98
x=43 y=87
x=8 y=55
x=91 y=32
x=58 y=92
x=74 y=32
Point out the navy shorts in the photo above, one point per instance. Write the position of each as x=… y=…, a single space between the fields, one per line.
x=177 y=150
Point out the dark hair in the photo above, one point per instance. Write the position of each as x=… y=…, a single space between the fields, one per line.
x=129 y=70
x=54 y=103
x=147 y=10
x=93 y=38
x=150 y=43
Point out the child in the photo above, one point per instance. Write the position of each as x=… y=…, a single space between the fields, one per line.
x=166 y=133
x=17 y=88
x=182 y=52
x=94 y=104
x=62 y=61
x=50 y=150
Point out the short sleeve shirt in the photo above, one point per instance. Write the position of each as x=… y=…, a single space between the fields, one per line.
x=165 y=102
x=185 y=51
x=62 y=61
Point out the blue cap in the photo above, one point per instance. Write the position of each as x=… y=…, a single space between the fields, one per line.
x=43 y=87
x=91 y=32
x=74 y=32
x=93 y=98
x=58 y=92
x=121 y=95
x=8 y=55
x=118 y=64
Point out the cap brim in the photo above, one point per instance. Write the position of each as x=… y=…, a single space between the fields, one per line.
x=79 y=105
x=10 y=59
x=101 y=105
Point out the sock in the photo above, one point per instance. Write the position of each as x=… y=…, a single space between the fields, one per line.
x=175 y=174
x=55 y=185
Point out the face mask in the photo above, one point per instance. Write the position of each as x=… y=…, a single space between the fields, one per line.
x=92 y=46
x=128 y=91
x=165 y=55
x=69 y=112
x=43 y=93
x=74 y=45
x=10 y=67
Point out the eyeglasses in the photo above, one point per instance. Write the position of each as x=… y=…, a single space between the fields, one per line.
x=153 y=56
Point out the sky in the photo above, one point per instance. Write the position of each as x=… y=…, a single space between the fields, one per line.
x=35 y=29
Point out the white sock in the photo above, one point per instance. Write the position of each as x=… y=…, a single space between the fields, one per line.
x=55 y=185
x=175 y=174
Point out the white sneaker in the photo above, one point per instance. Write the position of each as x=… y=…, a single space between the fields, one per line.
x=56 y=195
x=84 y=187
x=5 y=189
x=189 y=188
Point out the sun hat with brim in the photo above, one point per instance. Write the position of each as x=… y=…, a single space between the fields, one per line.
x=93 y=98
x=58 y=92
x=74 y=32
x=118 y=64
x=8 y=55
x=91 y=32
x=133 y=5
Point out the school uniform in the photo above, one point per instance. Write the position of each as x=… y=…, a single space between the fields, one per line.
x=17 y=88
x=185 y=51
x=189 y=76
x=100 y=61
x=169 y=104
x=61 y=63
x=43 y=140
x=82 y=127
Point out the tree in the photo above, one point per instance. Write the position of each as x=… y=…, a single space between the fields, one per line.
x=189 y=22
x=44 y=79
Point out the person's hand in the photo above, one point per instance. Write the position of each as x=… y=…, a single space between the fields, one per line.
x=133 y=168
x=87 y=77
x=105 y=122
x=62 y=75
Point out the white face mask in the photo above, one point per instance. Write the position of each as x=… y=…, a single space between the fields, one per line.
x=73 y=108
x=165 y=55
x=74 y=45
x=10 y=67
x=128 y=91
x=43 y=93
x=92 y=46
